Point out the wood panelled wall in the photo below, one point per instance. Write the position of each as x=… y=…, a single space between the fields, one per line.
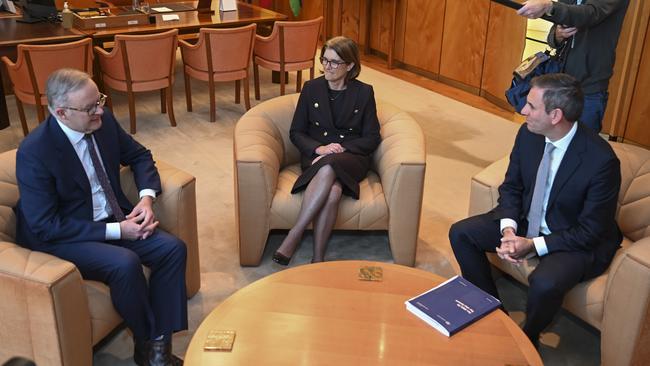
x=440 y=39
x=475 y=45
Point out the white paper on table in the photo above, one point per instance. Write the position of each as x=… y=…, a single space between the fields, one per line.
x=227 y=5
x=168 y=17
x=162 y=9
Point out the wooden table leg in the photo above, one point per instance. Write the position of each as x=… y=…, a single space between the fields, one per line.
x=4 y=112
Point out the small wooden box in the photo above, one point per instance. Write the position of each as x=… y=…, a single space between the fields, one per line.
x=115 y=18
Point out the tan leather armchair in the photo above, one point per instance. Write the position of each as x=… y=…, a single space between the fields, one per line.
x=48 y=313
x=267 y=164
x=618 y=301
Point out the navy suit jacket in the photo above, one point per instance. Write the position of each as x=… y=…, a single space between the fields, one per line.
x=581 y=208
x=55 y=203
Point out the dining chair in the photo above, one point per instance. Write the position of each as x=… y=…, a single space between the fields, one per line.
x=291 y=46
x=33 y=66
x=219 y=55
x=140 y=63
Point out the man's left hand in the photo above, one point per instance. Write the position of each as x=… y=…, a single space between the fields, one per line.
x=143 y=212
x=534 y=9
x=518 y=246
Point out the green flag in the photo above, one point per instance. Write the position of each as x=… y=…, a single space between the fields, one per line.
x=295 y=6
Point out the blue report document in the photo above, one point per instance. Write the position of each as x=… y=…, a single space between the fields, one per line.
x=452 y=305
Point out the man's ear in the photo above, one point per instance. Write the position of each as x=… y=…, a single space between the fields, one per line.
x=59 y=113
x=556 y=116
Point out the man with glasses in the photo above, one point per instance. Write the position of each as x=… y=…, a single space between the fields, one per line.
x=71 y=206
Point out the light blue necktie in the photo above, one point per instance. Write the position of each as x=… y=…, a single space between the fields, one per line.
x=537 y=202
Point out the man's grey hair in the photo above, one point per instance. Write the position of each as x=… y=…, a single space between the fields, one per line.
x=61 y=83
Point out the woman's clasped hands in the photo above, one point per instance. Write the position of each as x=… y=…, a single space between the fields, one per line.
x=333 y=148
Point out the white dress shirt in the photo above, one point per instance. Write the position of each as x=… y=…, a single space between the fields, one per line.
x=557 y=155
x=101 y=208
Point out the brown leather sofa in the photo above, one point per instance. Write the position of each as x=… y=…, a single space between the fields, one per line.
x=618 y=301
x=267 y=165
x=48 y=313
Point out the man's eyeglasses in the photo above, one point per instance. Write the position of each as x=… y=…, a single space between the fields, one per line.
x=333 y=63
x=92 y=109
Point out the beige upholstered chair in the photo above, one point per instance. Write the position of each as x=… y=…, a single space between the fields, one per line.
x=267 y=164
x=48 y=313
x=618 y=301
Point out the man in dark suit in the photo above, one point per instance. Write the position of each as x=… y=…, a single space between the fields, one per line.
x=557 y=202
x=71 y=206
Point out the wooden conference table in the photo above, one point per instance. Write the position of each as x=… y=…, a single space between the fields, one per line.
x=13 y=33
x=322 y=314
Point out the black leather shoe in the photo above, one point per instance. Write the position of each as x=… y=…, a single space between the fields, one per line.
x=281 y=259
x=160 y=354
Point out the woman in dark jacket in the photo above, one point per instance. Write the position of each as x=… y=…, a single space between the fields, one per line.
x=335 y=127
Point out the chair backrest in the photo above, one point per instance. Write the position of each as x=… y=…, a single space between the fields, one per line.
x=633 y=215
x=35 y=63
x=228 y=49
x=298 y=40
x=144 y=58
x=294 y=41
x=8 y=195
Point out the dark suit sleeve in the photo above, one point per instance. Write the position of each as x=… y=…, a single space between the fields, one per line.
x=597 y=214
x=370 y=137
x=300 y=125
x=585 y=15
x=139 y=159
x=512 y=188
x=39 y=202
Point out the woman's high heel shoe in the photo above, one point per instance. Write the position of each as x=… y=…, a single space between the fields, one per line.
x=281 y=259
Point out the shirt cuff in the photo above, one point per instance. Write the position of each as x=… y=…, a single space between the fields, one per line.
x=148 y=192
x=540 y=246
x=508 y=223
x=113 y=231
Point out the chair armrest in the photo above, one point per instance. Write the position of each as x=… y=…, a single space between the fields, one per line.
x=176 y=211
x=109 y=64
x=400 y=161
x=193 y=54
x=103 y=53
x=484 y=190
x=402 y=145
x=44 y=310
x=625 y=331
x=258 y=153
x=267 y=47
x=8 y=63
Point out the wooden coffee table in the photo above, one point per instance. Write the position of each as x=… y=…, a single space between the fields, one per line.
x=322 y=314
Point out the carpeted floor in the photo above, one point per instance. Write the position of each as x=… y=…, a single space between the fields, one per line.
x=460 y=141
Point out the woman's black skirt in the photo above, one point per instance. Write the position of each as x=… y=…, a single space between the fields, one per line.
x=350 y=169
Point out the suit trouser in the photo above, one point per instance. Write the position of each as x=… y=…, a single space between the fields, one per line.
x=149 y=310
x=553 y=277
